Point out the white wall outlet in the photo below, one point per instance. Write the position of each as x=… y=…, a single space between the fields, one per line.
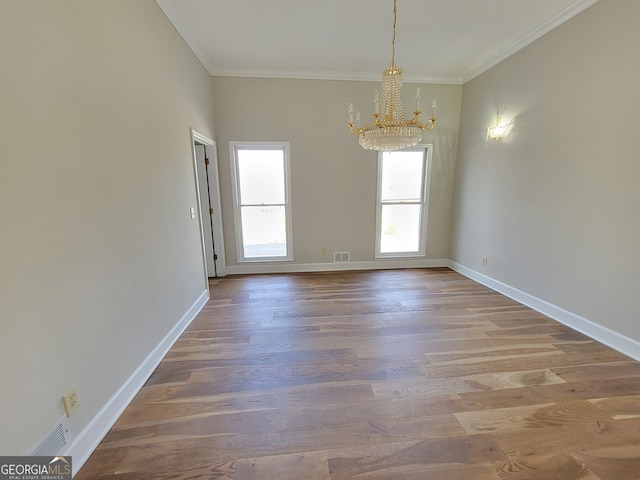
x=485 y=261
x=70 y=401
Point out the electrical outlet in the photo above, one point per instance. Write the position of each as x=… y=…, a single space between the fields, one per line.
x=485 y=261
x=323 y=251
x=70 y=401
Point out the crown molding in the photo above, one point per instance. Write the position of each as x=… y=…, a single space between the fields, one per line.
x=175 y=19
x=191 y=41
x=571 y=11
x=323 y=75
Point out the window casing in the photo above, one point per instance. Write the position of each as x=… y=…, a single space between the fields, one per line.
x=262 y=200
x=401 y=217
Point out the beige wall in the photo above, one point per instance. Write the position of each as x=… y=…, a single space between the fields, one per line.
x=98 y=255
x=333 y=178
x=98 y=258
x=555 y=207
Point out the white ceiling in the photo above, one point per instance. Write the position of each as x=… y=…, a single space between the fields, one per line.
x=438 y=41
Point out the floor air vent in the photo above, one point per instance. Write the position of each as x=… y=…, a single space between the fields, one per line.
x=55 y=441
x=341 y=257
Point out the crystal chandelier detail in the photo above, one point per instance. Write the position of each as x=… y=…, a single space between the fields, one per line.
x=390 y=130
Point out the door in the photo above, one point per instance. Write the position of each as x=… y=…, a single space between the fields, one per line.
x=206 y=164
x=206 y=209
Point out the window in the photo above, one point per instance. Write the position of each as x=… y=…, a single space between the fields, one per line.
x=261 y=192
x=402 y=193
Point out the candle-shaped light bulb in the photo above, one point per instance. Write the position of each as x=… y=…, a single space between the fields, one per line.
x=351 y=113
x=376 y=102
x=418 y=100
x=358 y=119
x=433 y=108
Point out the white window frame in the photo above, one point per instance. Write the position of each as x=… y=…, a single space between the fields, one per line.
x=426 y=179
x=234 y=146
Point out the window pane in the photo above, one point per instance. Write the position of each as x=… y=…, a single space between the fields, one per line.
x=264 y=232
x=261 y=176
x=400 y=228
x=402 y=175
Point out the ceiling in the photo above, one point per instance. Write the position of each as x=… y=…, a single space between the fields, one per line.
x=438 y=41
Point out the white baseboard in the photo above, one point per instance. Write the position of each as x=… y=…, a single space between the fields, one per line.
x=602 y=334
x=88 y=439
x=382 y=264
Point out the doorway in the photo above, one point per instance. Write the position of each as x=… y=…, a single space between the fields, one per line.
x=208 y=190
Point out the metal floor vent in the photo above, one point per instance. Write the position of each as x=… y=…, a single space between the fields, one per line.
x=54 y=441
x=341 y=257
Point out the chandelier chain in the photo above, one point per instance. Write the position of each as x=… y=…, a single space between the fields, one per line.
x=393 y=39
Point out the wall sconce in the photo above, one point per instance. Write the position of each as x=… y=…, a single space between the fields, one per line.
x=498 y=131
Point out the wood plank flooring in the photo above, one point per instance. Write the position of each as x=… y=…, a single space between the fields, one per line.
x=398 y=375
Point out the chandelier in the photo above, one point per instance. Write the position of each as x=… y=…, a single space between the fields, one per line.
x=389 y=130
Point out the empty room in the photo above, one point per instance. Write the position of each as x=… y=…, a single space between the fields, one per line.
x=390 y=239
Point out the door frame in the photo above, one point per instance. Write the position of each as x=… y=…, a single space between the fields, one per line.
x=214 y=200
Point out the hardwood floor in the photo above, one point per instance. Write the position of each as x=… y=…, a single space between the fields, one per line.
x=407 y=374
